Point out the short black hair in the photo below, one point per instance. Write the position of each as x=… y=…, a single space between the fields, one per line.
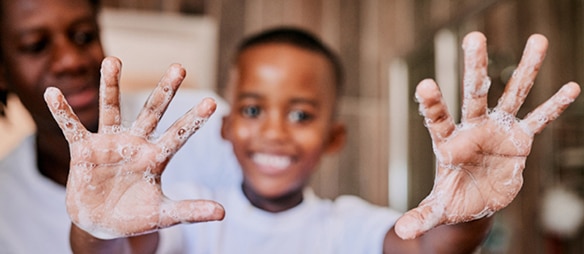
x=301 y=38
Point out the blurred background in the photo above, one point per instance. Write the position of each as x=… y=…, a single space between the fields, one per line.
x=387 y=47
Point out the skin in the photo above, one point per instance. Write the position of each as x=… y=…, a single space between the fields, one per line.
x=55 y=43
x=45 y=44
x=281 y=122
x=479 y=161
x=114 y=185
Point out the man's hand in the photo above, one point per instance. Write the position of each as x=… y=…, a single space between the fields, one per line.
x=481 y=160
x=114 y=188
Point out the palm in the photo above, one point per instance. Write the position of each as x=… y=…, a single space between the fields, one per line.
x=481 y=160
x=114 y=181
x=111 y=186
x=484 y=173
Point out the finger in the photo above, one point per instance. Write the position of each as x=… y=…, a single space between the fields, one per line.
x=523 y=77
x=552 y=108
x=418 y=221
x=69 y=123
x=109 y=96
x=476 y=81
x=186 y=126
x=190 y=211
x=437 y=119
x=158 y=101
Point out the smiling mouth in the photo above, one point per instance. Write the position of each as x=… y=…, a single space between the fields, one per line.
x=274 y=162
x=81 y=99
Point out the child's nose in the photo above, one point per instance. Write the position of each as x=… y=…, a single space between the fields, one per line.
x=274 y=128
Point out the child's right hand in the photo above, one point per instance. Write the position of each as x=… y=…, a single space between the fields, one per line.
x=114 y=188
x=481 y=160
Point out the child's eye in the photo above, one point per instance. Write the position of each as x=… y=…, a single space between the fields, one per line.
x=250 y=111
x=298 y=116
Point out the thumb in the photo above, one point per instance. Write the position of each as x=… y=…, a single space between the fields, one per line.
x=190 y=211
x=418 y=221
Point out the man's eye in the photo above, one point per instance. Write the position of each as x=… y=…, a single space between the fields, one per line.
x=34 y=47
x=297 y=116
x=250 y=111
x=84 y=37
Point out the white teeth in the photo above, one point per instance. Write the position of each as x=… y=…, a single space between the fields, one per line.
x=275 y=161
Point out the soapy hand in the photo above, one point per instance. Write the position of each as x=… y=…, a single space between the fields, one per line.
x=481 y=160
x=114 y=188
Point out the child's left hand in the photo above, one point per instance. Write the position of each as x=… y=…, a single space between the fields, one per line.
x=114 y=188
x=481 y=160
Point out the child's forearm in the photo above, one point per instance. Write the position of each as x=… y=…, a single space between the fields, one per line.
x=83 y=242
x=456 y=238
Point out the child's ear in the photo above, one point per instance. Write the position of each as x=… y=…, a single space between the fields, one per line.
x=337 y=138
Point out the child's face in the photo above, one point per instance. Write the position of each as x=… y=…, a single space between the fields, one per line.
x=282 y=120
x=51 y=43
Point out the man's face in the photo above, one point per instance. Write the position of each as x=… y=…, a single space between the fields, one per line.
x=282 y=117
x=51 y=43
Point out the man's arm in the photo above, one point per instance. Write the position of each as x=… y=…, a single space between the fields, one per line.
x=481 y=160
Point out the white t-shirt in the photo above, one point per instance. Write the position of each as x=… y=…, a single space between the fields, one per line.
x=346 y=225
x=33 y=217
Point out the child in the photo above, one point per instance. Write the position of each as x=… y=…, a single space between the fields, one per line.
x=283 y=90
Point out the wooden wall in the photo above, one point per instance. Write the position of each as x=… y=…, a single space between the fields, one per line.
x=369 y=34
